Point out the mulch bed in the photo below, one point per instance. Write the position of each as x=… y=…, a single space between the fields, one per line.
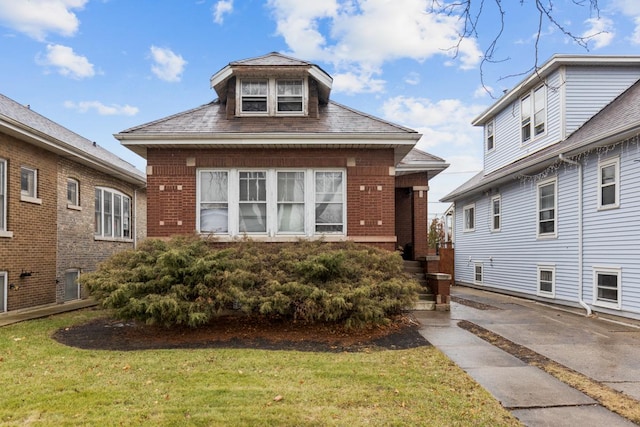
x=243 y=332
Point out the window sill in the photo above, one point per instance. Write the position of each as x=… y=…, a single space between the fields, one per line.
x=74 y=207
x=112 y=239
x=608 y=207
x=28 y=199
x=6 y=234
x=546 y=236
x=275 y=239
x=546 y=294
x=605 y=304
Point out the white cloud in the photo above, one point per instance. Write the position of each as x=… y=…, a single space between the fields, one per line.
x=102 y=109
x=220 y=9
x=412 y=78
x=68 y=63
x=357 y=82
x=445 y=123
x=168 y=65
x=630 y=9
x=37 y=18
x=599 y=32
x=363 y=35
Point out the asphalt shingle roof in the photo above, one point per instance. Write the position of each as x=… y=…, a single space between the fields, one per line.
x=30 y=121
x=211 y=118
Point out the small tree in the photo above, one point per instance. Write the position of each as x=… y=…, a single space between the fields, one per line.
x=436 y=233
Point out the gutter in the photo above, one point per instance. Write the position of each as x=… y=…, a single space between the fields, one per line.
x=584 y=305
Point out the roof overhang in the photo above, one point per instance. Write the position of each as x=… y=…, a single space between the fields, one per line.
x=44 y=141
x=400 y=143
x=538 y=76
x=534 y=164
x=431 y=168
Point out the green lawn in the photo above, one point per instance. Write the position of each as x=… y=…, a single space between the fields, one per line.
x=46 y=383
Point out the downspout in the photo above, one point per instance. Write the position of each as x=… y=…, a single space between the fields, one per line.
x=584 y=305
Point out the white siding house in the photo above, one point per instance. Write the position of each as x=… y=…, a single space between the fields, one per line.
x=555 y=210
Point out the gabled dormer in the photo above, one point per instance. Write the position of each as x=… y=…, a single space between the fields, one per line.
x=552 y=103
x=273 y=85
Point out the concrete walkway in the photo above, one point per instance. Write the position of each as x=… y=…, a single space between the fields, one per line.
x=44 y=311
x=604 y=350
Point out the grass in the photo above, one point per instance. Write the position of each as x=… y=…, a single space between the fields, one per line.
x=46 y=383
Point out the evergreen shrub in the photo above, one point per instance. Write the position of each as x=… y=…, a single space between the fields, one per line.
x=185 y=281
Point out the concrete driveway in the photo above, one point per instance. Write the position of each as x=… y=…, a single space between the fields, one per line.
x=604 y=349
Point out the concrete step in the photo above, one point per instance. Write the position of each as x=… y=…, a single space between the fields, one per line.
x=426 y=302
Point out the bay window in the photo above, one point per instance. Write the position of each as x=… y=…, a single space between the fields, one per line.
x=271 y=202
x=112 y=214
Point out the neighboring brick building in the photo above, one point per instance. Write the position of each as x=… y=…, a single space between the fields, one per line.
x=54 y=186
x=275 y=160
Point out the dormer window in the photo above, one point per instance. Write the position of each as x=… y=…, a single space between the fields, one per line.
x=289 y=95
x=489 y=135
x=254 y=96
x=272 y=97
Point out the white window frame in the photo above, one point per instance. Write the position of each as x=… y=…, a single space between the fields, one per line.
x=541 y=184
x=475 y=273
x=496 y=215
x=612 y=271
x=73 y=203
x=530 y=121
x=615 y=162
x=540 y=292
x=466 y=227
x=272 y=97
x=4 y=198
x=233 y=229
x=489 y=136
x=30 y=195
x=99 y=234
x=4 y=278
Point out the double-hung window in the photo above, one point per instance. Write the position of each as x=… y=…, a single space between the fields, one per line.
x=533 y=113
x=608 y=184
x=547 y=208
x=469 y=217
x=607 y=285
x=496 y=213
x=489 y=135
x=271 y=97
x=73 y=193
x=254 y=95
x=112 y=214
x=271 y=202
x=3 y=197
x=29 y=185
x=546 y=280
x=289 y=95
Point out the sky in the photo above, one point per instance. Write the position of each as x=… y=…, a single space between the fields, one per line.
x=98 y=67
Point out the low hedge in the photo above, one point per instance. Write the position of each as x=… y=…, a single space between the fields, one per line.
x=187 y=282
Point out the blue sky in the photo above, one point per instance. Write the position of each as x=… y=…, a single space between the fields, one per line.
x=98 y=67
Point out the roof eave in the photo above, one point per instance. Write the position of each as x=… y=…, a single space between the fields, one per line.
x=544 y=71
x=63 y=149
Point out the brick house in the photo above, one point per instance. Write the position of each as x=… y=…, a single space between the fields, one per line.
x=66 y=204
x=274 y=159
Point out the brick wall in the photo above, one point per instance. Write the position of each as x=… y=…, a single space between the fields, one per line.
x=50 y=238
x=76 y=247
x=32 y=248
x=412 y=219
x=171 y=185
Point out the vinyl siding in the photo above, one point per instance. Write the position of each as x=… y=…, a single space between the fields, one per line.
x=589 y=89
x=508 y=144
x=611 y=236
x=511 y=256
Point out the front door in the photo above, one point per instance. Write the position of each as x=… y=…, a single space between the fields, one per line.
x=71 y=285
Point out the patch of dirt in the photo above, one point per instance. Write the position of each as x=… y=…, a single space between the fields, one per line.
x=473 y=304
x=243 y=332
